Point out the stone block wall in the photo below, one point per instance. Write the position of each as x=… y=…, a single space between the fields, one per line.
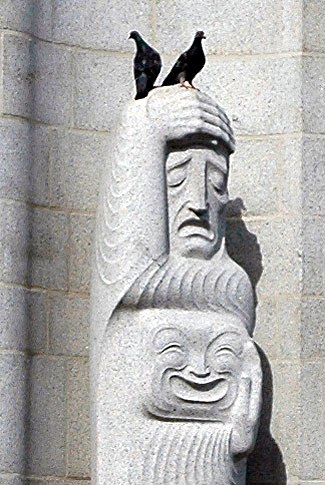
x=66 y=70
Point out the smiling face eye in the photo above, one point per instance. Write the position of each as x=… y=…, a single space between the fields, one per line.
x=169 y=345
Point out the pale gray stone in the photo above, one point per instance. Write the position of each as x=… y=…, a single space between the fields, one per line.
x=69 y=321
x=78 y=445
x=313 y=260
x=260 y=95
x=313 y=327
x=288 y=338
x=32 y=16
x=24 y=161
x=291 y=189
x=37 y=80
x=23 y=319
x=267 y=327
x=313 y=175
x=47 y=417
x=313 y=94
x=78 y=159
x=49 y=252
x=256 y=26
x=170 y=308
x=312 y=431
x=98 y=24
x=82 y=235
x=15 y=222
x=98 y=96
x=13 y=391
x=314 y=25
x=253 y=175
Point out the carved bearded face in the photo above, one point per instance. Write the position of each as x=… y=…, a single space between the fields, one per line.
x=198 y=360
x=197 y=195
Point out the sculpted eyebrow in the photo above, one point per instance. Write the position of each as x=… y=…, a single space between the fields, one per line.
x=178 y=163
x=216 y=163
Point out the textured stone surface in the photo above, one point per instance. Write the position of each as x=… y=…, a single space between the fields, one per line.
x=313 y=94
x=98 y=24
x=23 y=319
x=313 y=233
x=37 y=80
x=82 y=235
x=47 y=417
x=260 y=95
x=312 y=433
x=77 y=161
x=78 y=445
x=13 y=391
x=14 y=241
x=314 y=31
x=24 y=160
x=313 y=175
x=253 y=176
x=48 y=255
x=291 y=189
x=257 y=26
x=32 y=16
x=313 y=327
x=69 y=320
x=98 y=97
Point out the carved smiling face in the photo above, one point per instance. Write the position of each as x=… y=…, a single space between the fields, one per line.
x=197 y=195
x=198 y=360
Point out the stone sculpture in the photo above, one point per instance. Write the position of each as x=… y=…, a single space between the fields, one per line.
x=175 y=373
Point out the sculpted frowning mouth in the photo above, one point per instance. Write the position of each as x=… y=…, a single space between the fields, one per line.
x=196 y=227
x=204 y=391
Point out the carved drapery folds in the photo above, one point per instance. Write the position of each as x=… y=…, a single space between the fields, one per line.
x=176 y=374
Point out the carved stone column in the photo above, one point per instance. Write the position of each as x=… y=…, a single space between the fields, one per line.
x=175 y=373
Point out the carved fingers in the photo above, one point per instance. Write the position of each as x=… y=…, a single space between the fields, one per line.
x=178 y=113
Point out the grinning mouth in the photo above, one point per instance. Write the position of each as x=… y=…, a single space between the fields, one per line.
x=195 y=391
x=196 y=227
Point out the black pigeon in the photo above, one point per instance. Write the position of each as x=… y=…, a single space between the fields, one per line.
x=147 y=65
x=189 y=64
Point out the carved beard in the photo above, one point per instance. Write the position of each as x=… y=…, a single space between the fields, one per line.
x=187 y=454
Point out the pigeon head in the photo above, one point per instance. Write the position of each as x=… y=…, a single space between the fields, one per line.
x=134 y=35
x=200 y=35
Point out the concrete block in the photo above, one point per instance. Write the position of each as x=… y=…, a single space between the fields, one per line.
x=313 y=175
x=9 y=479
x=100 y=25
x=313 y=94
x=253 y=176
x=313 y=327
x=23 y=319
x=266 y=327
x=78 y=445
x=103 y=84
x=48 y=256
x=313 y=260
x=13 y=368
x=82 y=235
x=260 y=95
x=257 y=26
x=55 y=481
x=14 y=242
x=37 y=80
x=312 y=432
x=314 y=32
x=32 y=16
x=291 y=189
x=69 y=322
x=24 y=160
x=78 y=159
x=47 y=417
x=286 y=416
x=269 y=252
x=288 y=334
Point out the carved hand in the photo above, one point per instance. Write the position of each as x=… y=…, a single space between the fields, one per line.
x=246 y=411
x=177 y=113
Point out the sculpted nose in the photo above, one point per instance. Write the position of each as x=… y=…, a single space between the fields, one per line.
x=200 y=374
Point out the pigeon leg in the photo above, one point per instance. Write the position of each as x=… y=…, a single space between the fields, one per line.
x=193 y=87
x=183 y=85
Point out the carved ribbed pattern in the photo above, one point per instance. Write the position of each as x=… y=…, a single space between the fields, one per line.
x=188 y=455
x=193 y=285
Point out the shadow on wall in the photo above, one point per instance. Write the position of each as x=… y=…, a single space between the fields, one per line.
x=265 y=464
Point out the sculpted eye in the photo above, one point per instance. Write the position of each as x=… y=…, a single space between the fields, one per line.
x=176 y=176
x=225 y=350
x=171 y=347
